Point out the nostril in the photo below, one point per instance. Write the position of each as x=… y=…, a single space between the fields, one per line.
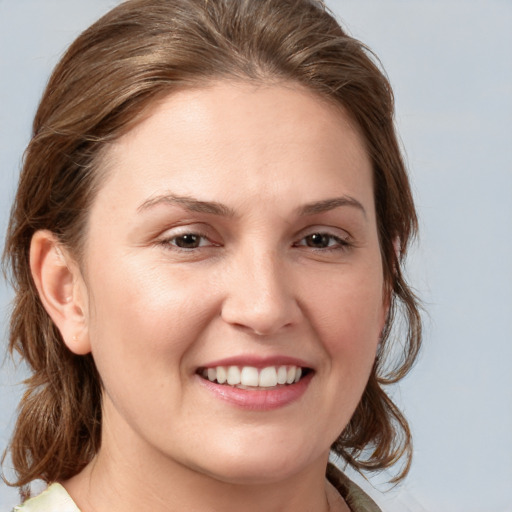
x=260 y=321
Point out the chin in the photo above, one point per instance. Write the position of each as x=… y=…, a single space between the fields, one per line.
x=260 y=465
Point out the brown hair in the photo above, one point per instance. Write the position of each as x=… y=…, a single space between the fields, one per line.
x=108 y=78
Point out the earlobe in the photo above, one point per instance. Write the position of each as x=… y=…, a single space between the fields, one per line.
x=61 y=289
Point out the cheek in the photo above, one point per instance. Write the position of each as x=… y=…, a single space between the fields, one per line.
x=348 y=315
x=142 y=330
x=150 y=317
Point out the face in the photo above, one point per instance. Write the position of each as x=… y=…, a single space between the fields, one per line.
x=234 y=281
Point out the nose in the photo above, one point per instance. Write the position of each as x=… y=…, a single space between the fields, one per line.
x=260 y=296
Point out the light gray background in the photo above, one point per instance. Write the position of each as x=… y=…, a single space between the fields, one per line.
x=450 y=63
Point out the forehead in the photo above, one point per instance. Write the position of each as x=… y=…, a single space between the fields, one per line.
x=269 y=139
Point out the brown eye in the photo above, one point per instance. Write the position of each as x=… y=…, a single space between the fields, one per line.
x=322 y=241
x=318 y=240
x=187 y=241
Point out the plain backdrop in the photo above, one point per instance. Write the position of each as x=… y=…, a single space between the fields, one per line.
x=450 y=63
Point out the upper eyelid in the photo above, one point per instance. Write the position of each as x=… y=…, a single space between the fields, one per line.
x=199 y=229
x=175 y=232
x=326 y=230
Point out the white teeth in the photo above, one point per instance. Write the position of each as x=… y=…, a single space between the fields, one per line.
x=281 y=375
x=222 y=375
x=268 y=377
x=251 y=377
x=233 y=375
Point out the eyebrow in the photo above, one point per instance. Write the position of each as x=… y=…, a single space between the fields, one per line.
x=189 y=203
x=215 y=208
x=330 y=204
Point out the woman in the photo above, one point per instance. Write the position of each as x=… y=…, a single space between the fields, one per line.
x=206 y=246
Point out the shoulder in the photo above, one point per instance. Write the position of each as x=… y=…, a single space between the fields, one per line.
x=354 y=496
x=54 y=499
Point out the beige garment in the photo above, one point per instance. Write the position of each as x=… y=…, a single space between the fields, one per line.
x=56 y=499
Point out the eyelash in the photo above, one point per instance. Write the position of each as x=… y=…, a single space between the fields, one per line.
x=339 y=243
x=171 y=241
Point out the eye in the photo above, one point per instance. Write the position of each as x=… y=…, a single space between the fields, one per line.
x=187 y=241
x=322 y=241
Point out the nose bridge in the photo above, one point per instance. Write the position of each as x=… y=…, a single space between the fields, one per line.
x=259 y=296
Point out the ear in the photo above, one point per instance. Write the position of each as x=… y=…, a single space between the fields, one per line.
x=61 y=289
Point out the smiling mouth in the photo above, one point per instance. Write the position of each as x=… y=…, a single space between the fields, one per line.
x=252 y=378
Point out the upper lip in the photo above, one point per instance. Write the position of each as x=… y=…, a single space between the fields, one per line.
x=258 y=361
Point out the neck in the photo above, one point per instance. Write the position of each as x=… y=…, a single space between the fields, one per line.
x=123 y=475
x=100 y=488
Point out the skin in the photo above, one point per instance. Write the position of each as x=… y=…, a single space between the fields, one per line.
x=152 y=313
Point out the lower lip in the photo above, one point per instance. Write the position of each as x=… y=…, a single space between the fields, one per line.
x=259 y=400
